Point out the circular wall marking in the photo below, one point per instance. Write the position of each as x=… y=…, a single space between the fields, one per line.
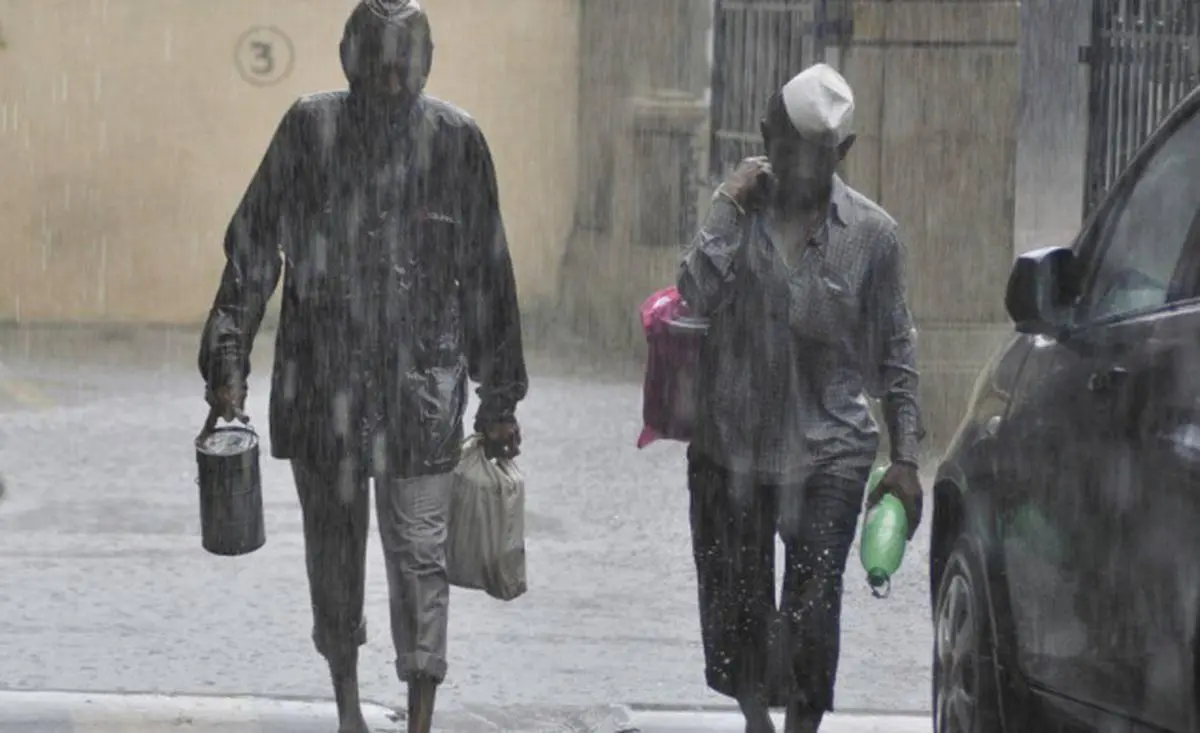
x=264 y=55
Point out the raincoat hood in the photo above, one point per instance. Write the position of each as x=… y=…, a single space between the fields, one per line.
x=380 y=33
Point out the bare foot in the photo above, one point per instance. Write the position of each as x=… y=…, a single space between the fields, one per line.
x=760 y=725
x=354 y=725
x=802 y=721
x=758 y=718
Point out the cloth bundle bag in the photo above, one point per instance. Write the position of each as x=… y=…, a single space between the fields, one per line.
x=485 y=540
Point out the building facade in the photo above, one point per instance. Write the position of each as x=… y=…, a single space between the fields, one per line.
x=129 y=130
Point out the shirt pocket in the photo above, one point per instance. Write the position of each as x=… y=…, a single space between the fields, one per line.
x=823 y=306
x=437 y=286
x=437 y=252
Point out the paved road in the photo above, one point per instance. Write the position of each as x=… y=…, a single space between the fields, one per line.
x=105 y=586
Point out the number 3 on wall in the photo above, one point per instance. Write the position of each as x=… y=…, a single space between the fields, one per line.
x=264 y=61
x=264 y=55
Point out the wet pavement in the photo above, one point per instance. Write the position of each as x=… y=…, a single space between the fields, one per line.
x=23 y=712
x=105 y=586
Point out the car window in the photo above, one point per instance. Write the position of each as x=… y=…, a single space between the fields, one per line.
x=1144 y=234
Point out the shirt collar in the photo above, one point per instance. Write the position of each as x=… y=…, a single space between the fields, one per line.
x=838 y=212
x=839 y=203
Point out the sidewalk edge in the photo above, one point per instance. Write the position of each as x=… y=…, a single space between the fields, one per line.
x=147 y=707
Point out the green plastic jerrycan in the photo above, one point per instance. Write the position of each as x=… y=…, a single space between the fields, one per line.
x=884 y=537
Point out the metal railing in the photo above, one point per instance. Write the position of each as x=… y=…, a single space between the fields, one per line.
x=757 y=46
x=1144 y=58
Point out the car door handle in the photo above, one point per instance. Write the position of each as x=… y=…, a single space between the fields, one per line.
x=1106 y=380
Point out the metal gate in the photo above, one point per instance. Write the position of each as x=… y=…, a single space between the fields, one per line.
x=1143 y=59
x=757 y=46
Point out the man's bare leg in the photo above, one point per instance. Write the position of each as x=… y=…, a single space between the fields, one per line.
x=422 y=694
x=344 y=672
x=757 y=715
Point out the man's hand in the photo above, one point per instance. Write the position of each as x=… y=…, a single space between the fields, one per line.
x=228 y=401
x=749 y=185
x=502 y=440
x=902 y=482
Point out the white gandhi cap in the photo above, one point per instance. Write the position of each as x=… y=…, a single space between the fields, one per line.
x=820 y=105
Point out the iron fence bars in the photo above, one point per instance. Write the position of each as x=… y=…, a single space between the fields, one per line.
x=1143 y=60
x=757 y=46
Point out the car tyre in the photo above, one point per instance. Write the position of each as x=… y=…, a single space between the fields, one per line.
x=965 y=693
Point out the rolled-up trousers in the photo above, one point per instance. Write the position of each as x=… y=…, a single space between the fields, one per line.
x=412 y=516
x=751 y=648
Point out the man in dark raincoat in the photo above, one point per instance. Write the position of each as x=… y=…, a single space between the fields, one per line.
x=378 y=205
x=801 y=279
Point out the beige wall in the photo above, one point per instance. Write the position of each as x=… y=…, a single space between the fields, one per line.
x=127 y=137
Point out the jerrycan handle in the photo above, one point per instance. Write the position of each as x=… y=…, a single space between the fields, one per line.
x=210 y=422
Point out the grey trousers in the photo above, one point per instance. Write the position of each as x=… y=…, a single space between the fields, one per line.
x=412 y=517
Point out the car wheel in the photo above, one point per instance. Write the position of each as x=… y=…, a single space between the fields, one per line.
x=965 y=698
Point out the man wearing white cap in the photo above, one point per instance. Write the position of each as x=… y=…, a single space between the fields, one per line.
x=801 y=279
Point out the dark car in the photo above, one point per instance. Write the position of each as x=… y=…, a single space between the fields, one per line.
x=1065 y=554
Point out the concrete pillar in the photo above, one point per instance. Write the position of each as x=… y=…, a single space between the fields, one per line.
x=1052 y=139
x=938 y=88
x=642 y=120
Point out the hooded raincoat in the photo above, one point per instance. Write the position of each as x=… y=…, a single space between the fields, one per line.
x=383 y=221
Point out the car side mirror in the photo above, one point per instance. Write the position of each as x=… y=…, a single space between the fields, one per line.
x=1042 y=286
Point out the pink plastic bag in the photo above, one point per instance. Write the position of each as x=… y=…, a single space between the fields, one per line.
x=669 y=390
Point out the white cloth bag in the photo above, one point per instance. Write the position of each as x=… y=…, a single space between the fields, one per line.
x=485 y=540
